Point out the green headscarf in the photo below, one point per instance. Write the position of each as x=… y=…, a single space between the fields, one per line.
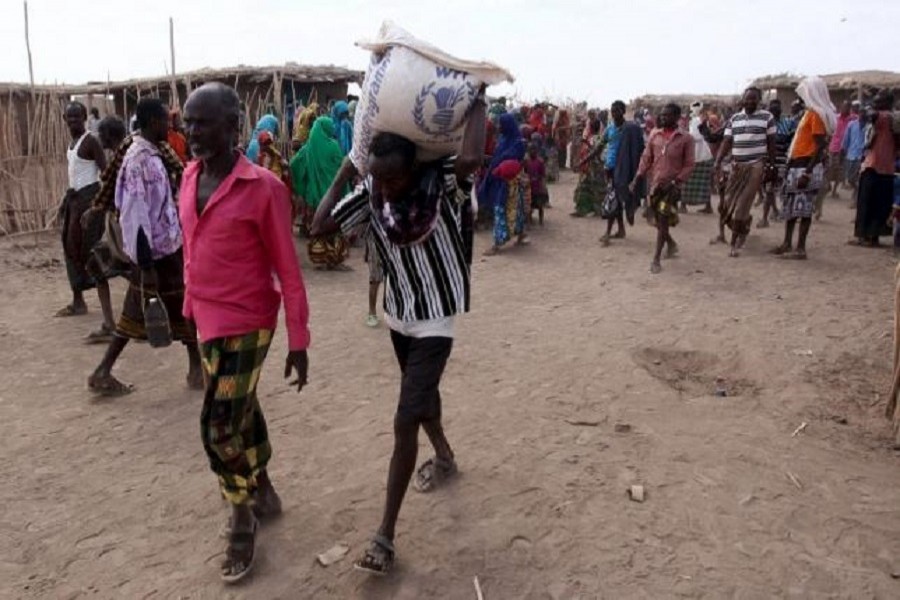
x=313 y=168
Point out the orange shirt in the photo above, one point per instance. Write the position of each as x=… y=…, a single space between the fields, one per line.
x=179 y=144
x=811 y=125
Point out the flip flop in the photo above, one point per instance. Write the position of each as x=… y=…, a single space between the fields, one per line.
x=432 y=473
x=100 y=336
x=236 y=567
x=372 y=321
x=655 y=268
x=110 y=388
x=796 y=255
x=71 y=311
x=780 y=250
x=379 y=557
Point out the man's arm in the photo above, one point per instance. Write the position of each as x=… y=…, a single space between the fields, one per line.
x=134 y=215
x=322 y=223
x=821 y=152
x=471 y=154
x=724 y=151
x=645 y=164
x=92 y=150
x=279 y=243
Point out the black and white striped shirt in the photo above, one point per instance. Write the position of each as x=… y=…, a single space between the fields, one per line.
x=750 y=133
x=428 y=280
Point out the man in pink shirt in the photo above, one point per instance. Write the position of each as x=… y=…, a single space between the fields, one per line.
x=236 y=219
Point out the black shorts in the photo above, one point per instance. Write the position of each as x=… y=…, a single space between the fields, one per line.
x=422 y=362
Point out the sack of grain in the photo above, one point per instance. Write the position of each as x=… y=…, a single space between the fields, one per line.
x=418 y=91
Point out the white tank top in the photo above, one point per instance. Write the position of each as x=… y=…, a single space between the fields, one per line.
x=82 y=172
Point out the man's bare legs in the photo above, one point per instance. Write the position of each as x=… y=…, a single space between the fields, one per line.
x=662 y=238
x=103 y=382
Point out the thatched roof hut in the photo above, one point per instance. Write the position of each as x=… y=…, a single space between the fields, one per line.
x=33 y=136
x=655 y=102
x=851 y=85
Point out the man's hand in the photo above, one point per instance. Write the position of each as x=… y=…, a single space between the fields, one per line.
x=632 y=186
x=297 y=360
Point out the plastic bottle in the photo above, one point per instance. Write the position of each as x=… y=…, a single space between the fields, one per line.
x=156 y=323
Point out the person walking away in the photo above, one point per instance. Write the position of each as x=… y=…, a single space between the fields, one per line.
x=151 y=237
x=268 y=123
x=853 y=147
x=86 y=160
x=876 y=183
x=628 y=159
x=805 y=171
x=343 y=126
x=237 y=234
x=750 y=141
x=536 y=170
x=668 y=160
x=562 y=135
x=785 y=128
x=836 y=167
x=93 y=224
x=427 y=260
x=313 y=169
x=697 y=188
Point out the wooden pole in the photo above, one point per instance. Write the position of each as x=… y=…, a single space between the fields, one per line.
x=28 y=48
x=172 y=45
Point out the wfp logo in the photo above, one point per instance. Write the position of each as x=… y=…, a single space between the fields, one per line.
x=436 y=110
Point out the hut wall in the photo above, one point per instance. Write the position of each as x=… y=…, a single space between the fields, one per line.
x=33 y=178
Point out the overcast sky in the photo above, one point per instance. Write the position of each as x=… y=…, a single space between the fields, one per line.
x=583 y=49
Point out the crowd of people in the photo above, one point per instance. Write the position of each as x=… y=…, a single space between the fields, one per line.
x=202 y=224
x=677 y=158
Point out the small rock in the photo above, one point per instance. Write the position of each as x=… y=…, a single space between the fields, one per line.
x=636 y=493
x=622 y=428
x=657 y=362
x=839 y=420
x=336 y=553
x=747 y=499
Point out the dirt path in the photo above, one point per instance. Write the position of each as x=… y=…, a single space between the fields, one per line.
x=114 y=499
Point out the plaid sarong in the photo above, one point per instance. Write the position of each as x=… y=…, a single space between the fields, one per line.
x=696 y=190
x=232 y=425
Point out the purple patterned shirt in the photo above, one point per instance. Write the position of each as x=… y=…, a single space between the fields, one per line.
x=144 y=201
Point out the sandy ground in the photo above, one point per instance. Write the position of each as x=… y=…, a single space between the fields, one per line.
x=113 y=499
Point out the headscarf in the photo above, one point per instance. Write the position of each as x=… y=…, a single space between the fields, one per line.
x=814 y=93
x=314 y=167
x=303 y=124
x=343 y=128
x=266 y=123
x=510 y=146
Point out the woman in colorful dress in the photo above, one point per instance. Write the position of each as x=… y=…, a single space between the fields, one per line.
x=592 y=178
x=313 y=170
x=494 y=190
